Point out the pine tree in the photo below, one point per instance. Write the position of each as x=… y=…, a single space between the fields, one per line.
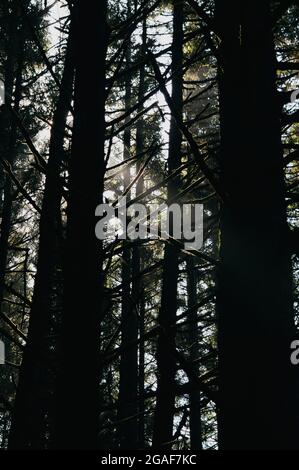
x=78 y=397
x=257 y=383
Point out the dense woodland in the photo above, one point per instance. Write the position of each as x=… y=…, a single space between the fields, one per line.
x=134 y=344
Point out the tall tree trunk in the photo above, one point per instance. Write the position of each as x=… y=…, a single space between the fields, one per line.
x=28 y=424
x=166 y=363
x=138 y=294
x=12 y=83
x=258 y=409
x=127 y=411
x=78 y=396
x=194 y=397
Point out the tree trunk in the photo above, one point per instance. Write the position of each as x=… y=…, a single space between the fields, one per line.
x=258 y=409
x=166 y=363
x=28 y=424
x=78 y=396
x=138 y=294
x=12 y=82
x=194 y=397
x=127 y=411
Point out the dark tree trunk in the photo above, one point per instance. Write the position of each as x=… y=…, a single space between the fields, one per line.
x=137 y=285
x=28 y=424
x=127 y=411
x=12 y=82
x=194 y=397
x=166 y=363
x=138 y=294
x=127 y=406
x=257 y=392
x=78 y=397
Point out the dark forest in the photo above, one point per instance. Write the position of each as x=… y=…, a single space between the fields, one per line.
x=119 y=328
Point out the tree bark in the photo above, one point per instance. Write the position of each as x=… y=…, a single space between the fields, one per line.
x=12 y=82
x=258 y=409
x=28 y=424
x=138 y=293
x=127 y=399
x=195 y=395
x=78 y=396
x=166 y=363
